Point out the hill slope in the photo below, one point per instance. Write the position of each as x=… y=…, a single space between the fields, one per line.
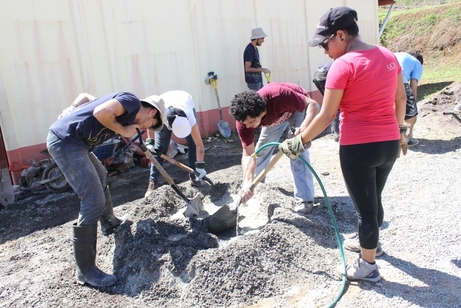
x=434 y=31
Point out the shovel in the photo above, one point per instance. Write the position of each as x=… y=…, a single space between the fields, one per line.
x=226 y=217
x=194 y=205
x=268 y=77
x=165 y=157
x=223 y=127
x=187 y=168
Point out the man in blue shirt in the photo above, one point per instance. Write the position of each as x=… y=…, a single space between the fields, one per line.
x=412 y=70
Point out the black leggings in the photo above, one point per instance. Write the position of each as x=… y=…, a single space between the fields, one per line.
x=365 y=169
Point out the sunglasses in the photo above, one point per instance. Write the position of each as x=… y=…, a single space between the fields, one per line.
x=324 y=44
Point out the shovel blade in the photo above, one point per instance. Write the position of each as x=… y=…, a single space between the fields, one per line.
x=224 y=129
x=224 y=218
x=194 y=206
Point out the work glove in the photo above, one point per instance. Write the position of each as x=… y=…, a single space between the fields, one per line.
x=150 y=145
x=294 y=147
x=403 y=144
x=404 y=131
x=200 y=168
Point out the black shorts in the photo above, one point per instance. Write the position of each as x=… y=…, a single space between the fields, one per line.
x=412 y=109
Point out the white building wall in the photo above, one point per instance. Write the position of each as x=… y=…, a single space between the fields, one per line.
x=51 y=50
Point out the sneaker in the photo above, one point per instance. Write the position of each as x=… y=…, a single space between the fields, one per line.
x=353 y=244
x=152 y=186
x=412 y=142
x=303 y=207
x=361 y=270
x=196 y=182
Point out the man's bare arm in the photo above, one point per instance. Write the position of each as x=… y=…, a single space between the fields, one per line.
x=106 y=114
x=249 y=69
x=81 y=99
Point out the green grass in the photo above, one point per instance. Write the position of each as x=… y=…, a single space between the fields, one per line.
x=440 y=68
x=417 y=3
x=436 y=77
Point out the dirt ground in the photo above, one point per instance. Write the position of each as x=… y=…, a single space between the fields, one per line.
x=278 y=259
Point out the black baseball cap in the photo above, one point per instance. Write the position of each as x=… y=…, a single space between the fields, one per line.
x=335 y=19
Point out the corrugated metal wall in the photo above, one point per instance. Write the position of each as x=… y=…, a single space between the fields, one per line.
x=51 y=50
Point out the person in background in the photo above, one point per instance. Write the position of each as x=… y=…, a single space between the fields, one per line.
x=273 y=108
x=182 y=121
x=320 y=78
x=412 y=70
x=87 y=123
x=365 y=82
x=251 y=62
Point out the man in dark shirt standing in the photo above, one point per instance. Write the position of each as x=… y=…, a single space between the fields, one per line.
x=251 y=62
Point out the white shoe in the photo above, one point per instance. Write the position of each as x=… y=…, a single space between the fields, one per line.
x=361 y=270
x=303 y=207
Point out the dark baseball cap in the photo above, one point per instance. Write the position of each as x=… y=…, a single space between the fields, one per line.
x=335 y=19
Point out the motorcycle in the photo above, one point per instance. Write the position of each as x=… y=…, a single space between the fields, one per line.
x=42 y=174
x=46 y=173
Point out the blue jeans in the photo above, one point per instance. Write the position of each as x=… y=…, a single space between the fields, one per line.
x=303 y=180
x=255 y=86
x=85 y=174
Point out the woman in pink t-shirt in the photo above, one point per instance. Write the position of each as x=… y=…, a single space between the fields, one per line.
x=365 y=83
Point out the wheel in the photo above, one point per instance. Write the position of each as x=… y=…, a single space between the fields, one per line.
x=58 y=181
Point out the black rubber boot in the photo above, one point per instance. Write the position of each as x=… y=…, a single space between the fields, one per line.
x=84 y=238
x=108 y=220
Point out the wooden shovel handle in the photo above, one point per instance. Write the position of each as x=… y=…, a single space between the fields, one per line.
x=177 y=163
x=164 y=174
x=159 y=167
x=266 y=170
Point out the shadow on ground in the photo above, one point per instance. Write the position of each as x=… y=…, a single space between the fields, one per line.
x=429 y=146
x=431 y=278
x=431 y=88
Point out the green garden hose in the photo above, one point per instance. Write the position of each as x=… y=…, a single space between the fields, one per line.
x=330 y=211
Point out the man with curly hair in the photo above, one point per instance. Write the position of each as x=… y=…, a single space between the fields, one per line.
x=273 y=108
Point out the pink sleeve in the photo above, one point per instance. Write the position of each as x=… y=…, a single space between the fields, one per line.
x=336 y=75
